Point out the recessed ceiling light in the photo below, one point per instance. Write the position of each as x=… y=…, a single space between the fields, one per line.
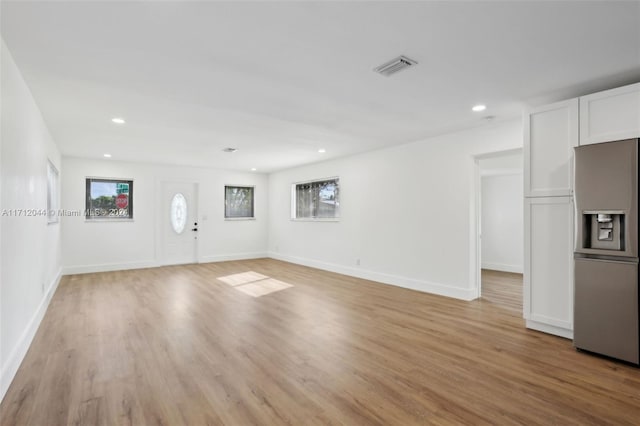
x=478 y=108
x=118 y=120
x=230 y=150
x=253 y=169
x=107 y=155
x=322 y=150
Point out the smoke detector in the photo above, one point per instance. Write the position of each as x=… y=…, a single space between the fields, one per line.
x=230 y=150
x=395 y=65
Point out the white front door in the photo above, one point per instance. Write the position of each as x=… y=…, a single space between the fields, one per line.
x=179 y=210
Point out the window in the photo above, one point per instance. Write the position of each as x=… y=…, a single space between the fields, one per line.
x=109 y=199
x=178 y=213
x=318 y=199
x=52 y=193
x=238 y=202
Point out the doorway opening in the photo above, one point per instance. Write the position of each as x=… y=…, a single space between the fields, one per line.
x=500 y=228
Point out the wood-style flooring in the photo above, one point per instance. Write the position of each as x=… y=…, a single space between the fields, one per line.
x=503 y=290
x=177 y=346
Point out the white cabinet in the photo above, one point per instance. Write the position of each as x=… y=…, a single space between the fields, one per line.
x=550 y=134
x=548 y=269
x=610 y=115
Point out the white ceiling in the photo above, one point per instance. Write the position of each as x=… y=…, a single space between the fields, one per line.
x=278 y=81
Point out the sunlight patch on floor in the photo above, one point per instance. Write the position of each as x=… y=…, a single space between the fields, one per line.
x=242 y=278
x=254 y=284
x=261 y=288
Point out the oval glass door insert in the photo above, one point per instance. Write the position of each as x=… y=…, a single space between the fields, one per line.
x=178 y=213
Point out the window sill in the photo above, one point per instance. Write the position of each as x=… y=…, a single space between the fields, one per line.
x=319 y=219
x=235 y=219
x=107 y=220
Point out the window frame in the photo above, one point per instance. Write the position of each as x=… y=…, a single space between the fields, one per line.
x=53 y=191
x=253 y=203
x=91 y=218
x=313 y=219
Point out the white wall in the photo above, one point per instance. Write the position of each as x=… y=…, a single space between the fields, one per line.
x=30 y=248
x=511 y=161
x=407 y=212
x=100 y=246
x=502 y=222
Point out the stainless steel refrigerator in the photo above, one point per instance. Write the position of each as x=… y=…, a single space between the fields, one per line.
x=606 y=250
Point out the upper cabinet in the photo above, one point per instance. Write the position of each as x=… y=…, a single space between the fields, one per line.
x=550 y=134
x=610 y=115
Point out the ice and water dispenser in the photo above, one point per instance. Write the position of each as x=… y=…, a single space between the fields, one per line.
x=604 y=230
x=606 y=199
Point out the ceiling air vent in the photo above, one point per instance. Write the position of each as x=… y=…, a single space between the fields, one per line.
x=395 y=65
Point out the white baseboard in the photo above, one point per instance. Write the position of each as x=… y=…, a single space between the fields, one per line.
x=18 y=353
x=549 y=329
x=235 y=256
x=396 y=280
x=107 y=267
x=518 y=269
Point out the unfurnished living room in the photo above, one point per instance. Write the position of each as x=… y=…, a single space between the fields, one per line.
x=319 y=213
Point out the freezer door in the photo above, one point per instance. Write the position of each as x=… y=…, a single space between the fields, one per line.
x=606 y=308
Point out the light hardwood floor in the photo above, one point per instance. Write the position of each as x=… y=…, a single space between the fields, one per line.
x=175 y=345
x=502 y=289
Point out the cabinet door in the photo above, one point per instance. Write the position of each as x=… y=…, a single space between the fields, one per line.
x=550 y=134
x=610 y=115
x=548 y=272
